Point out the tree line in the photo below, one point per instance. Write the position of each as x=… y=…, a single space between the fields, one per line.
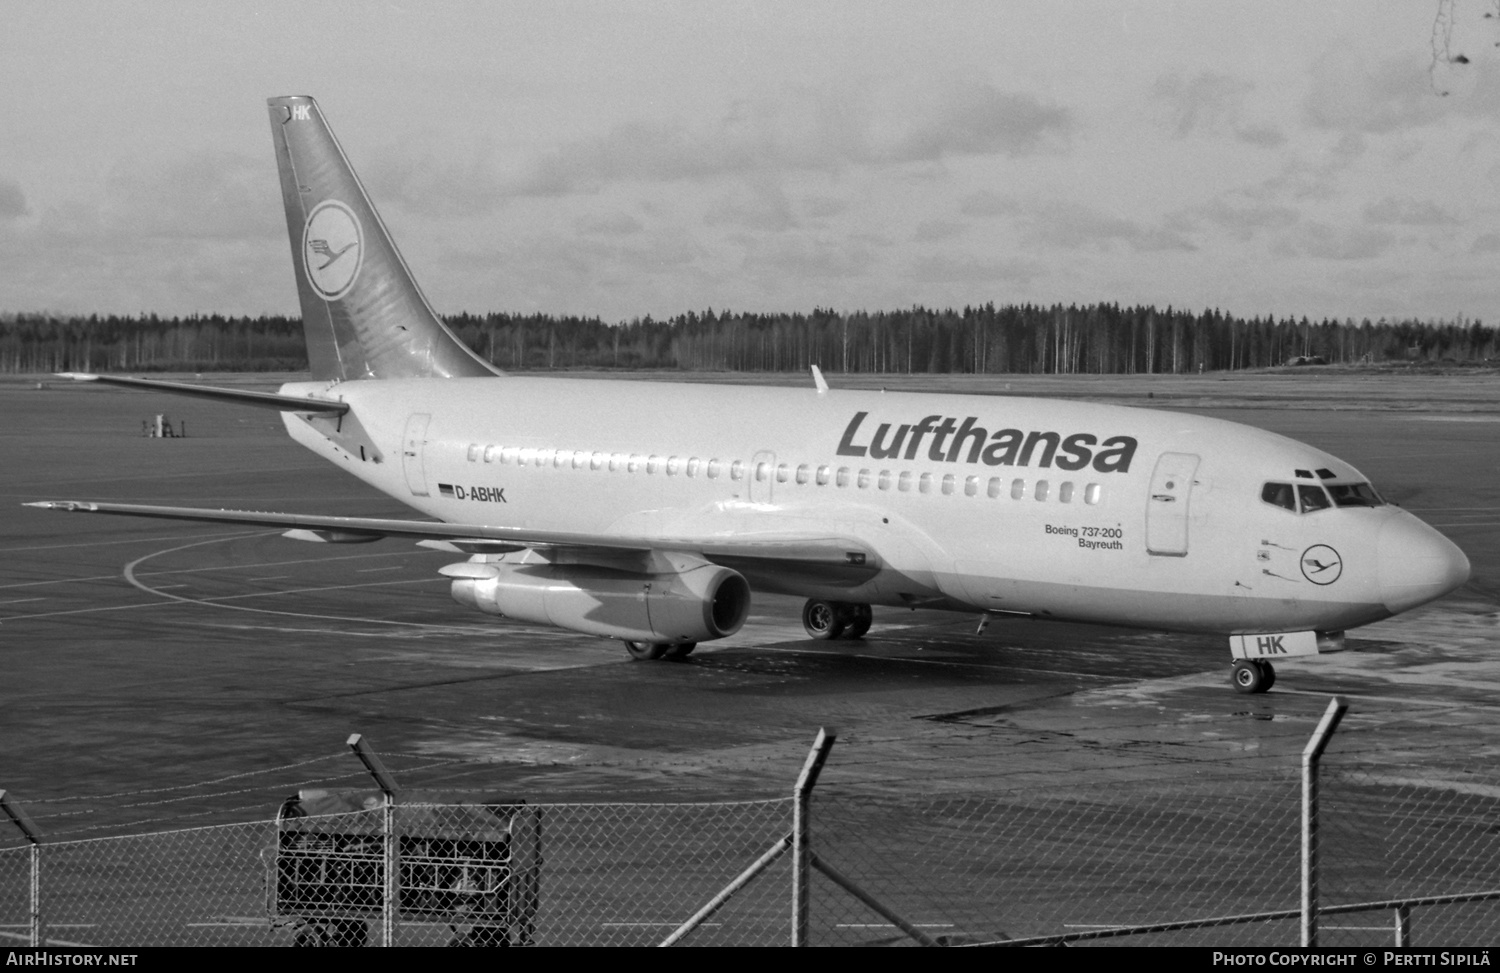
x=1024 y=338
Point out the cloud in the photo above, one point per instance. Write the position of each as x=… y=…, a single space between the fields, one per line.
x=1340 y=243
x=986 y=203
x=1201 y=103
x=1071 y=226
x=978 y=119
x=760 y=204
x=1244 y=219
x=1211 y=102
x=968 y=269
x=208 y=195
x=805 y=130
x=1408 y=212
x=12 y=201
x=1486 y=243
x=615 y=224
x=932 y=230
x=810 y=257
x=1349 y=95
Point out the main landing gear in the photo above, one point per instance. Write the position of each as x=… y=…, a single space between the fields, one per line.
x=836 y=619
x=1252 y=676
x=671 y=651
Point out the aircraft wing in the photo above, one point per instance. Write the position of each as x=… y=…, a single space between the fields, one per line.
x=835 y=559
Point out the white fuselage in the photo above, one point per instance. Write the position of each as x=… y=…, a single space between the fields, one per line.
x=1058 y=509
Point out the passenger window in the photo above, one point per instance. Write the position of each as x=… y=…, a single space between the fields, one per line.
x=525 y=456
x=842 y=476
x=971 y=485
x=560 y=459
x=1018 y=489
x=864 y=479
x=947 y=484
x=1279 y=495
x=693 y=465
x=823 y=474
x=1313 y=498
x=762 y=472
x=674 y=465
x=508 y=454
x=713 y=469
x=1065 y=492
x=803 y=472
x=580 y=460
x=1041 y=489
x=782 y=471
x=885 y=479
x=473 y=452
x=543 y=457
x=995 y=486
x=653 y=464
x=490 y=452
x=924 y=485
x=635 y=463
x=1091 y=493
x=736 y=469
x=903 y=482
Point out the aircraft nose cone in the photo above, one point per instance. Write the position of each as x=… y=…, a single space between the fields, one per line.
x=1417 y=564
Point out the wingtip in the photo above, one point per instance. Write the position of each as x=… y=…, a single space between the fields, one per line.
x=78 y=376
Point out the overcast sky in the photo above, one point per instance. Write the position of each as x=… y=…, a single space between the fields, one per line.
x=624 y=159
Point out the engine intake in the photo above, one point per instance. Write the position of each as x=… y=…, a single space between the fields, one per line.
x=696 y=604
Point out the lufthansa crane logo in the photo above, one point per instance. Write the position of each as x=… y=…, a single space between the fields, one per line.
x=332 y=249
x=1321 y=564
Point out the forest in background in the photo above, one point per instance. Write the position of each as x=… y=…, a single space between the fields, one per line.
x=1091 y=339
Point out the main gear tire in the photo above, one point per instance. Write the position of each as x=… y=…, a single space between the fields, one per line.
x=646 y=651
x=824 y=619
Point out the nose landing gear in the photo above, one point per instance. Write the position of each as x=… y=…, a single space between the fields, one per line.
x=1252 y=676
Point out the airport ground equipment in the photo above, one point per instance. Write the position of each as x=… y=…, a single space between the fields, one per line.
x=474 y=866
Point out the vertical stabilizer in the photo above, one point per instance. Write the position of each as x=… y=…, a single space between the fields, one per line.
x=363 y=315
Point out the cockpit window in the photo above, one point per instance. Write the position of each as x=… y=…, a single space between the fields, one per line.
x=1312 y=497
x=1355 y=495
x=1279 y=495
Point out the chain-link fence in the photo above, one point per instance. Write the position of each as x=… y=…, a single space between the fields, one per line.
x=1404 y=826
x=1182 y=856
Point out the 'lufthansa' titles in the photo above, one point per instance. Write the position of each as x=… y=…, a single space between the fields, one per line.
x=953 y=441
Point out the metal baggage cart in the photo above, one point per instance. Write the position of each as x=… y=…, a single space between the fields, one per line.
x=473 y=865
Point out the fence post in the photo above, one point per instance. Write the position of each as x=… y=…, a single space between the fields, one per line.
x=1310 y=757
x=801 y=859
x=387 y=785
x=33 y=835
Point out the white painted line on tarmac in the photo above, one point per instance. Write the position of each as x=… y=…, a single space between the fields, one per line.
x=132 y=540
x=652 y=925
x=17 y=601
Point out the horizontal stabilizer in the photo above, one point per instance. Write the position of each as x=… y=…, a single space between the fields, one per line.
x=269 y=400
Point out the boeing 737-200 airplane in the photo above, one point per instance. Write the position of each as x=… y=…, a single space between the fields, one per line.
x=649 y=512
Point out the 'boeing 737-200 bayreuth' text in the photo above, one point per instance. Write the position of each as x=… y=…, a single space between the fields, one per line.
x=650 y=513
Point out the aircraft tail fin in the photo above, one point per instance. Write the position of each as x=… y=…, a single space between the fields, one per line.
x=362 y=313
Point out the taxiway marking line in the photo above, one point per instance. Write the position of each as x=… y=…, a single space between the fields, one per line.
x=934 y=662
x=132 y=540
x=207 y=569
x=17 y=601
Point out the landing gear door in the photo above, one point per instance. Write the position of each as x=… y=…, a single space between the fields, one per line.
x=1167 y=506
x=413 y=446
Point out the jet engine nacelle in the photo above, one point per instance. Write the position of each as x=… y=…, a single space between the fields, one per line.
x=700 y=602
